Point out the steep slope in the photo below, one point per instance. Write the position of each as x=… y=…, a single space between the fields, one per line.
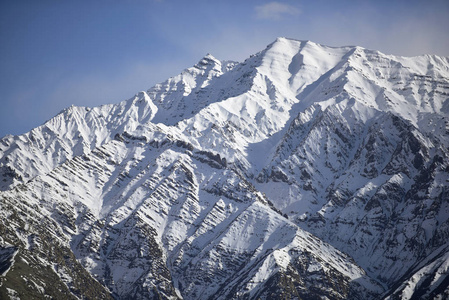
x=179 y=224
x=377 y=193
x=359 y=172
x=75 y=131
x=207 y=185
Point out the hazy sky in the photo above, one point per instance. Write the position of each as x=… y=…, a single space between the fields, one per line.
x=55 y=53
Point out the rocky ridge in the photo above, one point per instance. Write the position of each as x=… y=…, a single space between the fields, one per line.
x=305 y=171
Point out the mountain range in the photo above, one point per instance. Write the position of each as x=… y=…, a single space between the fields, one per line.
x=304 y=172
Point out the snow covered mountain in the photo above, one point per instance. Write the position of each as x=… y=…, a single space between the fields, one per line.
x=304 y=172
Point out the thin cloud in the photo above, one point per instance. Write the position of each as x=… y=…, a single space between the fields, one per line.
x=275 y=11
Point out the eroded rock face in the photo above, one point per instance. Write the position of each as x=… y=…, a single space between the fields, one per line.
x=306 y=171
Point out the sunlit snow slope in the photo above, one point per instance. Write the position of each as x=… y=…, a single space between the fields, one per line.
x=305 y=171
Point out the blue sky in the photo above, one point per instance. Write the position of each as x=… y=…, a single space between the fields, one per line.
x=55 y=53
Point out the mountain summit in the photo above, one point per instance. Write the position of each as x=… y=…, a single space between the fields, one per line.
x=304 y=172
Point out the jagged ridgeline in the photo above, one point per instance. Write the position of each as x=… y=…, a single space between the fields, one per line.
x=304 y=172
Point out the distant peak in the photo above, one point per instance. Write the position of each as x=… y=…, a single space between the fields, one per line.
x=281 y=39
x=208 y=59
x=286 y=39
x=289 y=40
x=282 y=42
x=304 y=43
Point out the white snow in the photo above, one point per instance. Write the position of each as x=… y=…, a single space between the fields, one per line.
x=308 y=126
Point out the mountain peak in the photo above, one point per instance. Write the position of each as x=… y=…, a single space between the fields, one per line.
x=207 y=62
x=296 y=168
x=294 y=42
